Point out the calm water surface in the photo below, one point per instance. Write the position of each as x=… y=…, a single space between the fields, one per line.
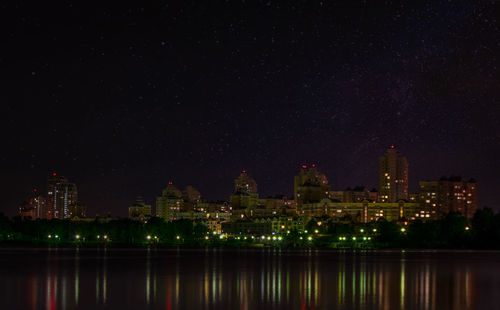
x=247 y=279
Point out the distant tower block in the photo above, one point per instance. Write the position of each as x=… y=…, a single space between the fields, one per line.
x=393 y=176
x=310 y=186
x=60 y=195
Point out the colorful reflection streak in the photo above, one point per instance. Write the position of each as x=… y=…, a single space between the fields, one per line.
x=246 y=279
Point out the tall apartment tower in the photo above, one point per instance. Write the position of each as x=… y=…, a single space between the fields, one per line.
x=310 y=186
x=448 y=195
x=169 y=204
x=393 y=176
x=60 y=195
x=245 y=194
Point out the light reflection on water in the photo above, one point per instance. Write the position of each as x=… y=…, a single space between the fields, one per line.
x=246 y=279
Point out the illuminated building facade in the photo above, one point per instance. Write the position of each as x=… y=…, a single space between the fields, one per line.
x=33 y=208
x=363 y=212
x=139 y=211
x=393 y=176
x=356 y=194
x=245 y=193
x=169 y=203
x=310 y=186
x=258 y=226
x=40 y=207
x=448 y=195
x=190 y=199
x=60 y=195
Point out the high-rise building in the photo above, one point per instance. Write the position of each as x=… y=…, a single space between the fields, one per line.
x=245 y=193
x=191 y=197
x=169 y=203
x=60 y=195
x=393 y=176
x=39 y=205
x=310 y=186
x=33 y=207
x=448 y=195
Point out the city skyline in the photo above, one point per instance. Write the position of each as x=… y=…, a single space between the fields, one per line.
x=245 y=184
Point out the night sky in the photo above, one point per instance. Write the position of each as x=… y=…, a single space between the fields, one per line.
x=122 y=98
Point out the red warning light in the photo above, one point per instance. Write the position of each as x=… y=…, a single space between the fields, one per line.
x=313 y=165
x=243 y=171
x=170 y=182
x=54 y=174
x=392 y=146
x=34 y=190
x=304 y=166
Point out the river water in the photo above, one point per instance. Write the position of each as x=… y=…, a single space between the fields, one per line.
x=247 y=279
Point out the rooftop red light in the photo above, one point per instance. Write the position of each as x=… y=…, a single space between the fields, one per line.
x=170 y=182
x=304 y=166
x=54 y=174
x=392 y=147
x=243 y=171
x=313 y=165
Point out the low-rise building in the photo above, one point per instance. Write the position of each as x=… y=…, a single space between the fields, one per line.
x=365 y=211
x=263 y=225
x=139 y=211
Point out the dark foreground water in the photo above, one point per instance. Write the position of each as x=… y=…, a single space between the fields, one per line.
x=247 y=279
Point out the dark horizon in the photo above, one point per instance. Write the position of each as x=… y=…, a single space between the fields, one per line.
x=121 y=99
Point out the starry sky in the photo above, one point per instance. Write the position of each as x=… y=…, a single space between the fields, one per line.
x=123 y=97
